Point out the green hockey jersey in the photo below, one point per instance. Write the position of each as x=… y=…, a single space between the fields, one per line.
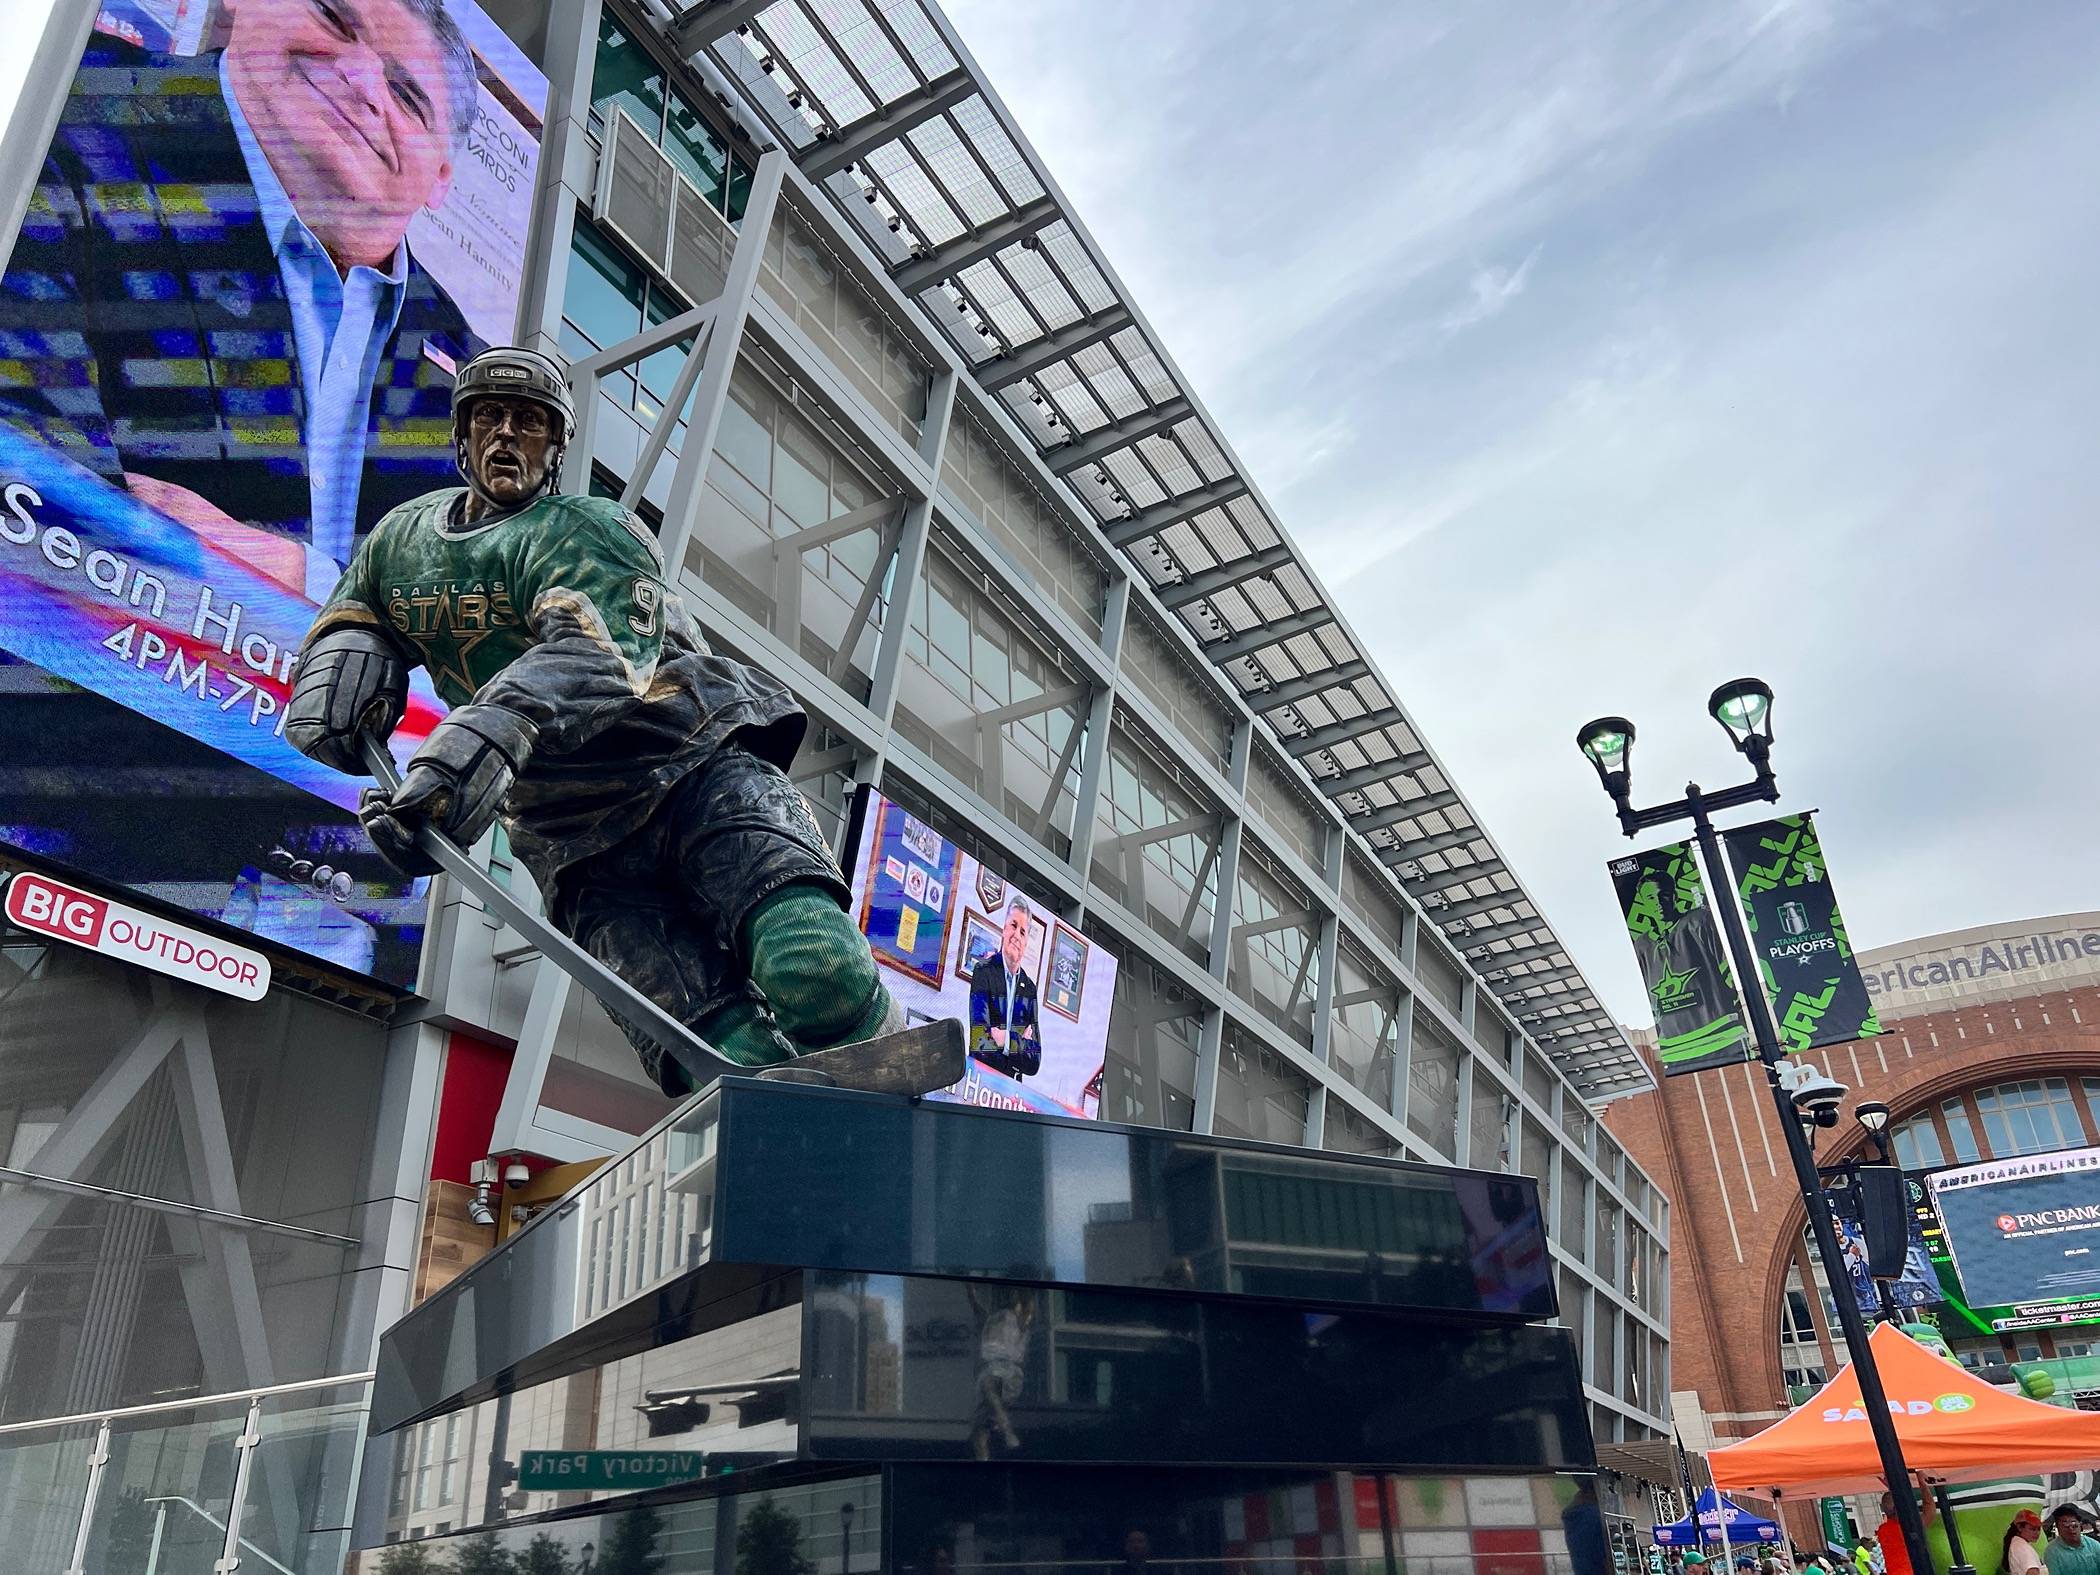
x=561 y=613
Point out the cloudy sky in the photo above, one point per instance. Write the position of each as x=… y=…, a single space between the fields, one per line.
x=1597 y=353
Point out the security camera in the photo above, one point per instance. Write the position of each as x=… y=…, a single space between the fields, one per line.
x=1816 y=1094
x=480 y=1211
x=516 y=1173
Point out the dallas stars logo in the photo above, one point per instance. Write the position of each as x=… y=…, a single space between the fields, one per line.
x=448 y=621
x=1674 y=989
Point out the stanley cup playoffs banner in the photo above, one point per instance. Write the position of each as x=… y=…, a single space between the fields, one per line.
x=1810 y=974
x=262 y=238
x=1698 y=1018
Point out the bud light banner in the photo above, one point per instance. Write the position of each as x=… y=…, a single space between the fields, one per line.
x=1810 y=974
x=1698 y=1018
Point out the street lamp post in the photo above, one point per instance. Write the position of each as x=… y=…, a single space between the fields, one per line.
x=846 y=1538
x=1744 y=709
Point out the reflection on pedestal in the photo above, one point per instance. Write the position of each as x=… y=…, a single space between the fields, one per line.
x=998 y=1338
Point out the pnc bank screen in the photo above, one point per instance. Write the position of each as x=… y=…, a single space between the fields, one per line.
x=2024 y=1230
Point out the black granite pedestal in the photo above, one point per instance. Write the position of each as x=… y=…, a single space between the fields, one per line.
x=798 y=1331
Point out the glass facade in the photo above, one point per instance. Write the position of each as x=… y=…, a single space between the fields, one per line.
x=182 y=1204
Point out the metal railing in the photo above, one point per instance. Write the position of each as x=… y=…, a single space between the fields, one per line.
x=232 y=1544
x=160 y=1526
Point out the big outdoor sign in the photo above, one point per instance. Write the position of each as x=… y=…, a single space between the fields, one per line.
x=81 y=918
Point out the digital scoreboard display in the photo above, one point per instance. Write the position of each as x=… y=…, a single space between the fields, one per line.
x=2025 y=1232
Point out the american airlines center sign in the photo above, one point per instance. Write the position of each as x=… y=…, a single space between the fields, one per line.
x=1983 y=964
x=67 y=913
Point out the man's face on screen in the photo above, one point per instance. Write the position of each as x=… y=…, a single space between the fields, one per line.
x=1013 y=942
x=349 y=102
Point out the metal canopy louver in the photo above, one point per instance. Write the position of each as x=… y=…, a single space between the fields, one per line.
x=880 y=105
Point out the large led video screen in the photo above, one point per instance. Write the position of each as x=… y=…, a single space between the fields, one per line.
x=262 y=240
x=2025 y=1230
x=955 y=940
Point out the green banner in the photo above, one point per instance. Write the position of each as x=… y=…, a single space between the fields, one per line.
x=1837 y=1524
x=1810 y=975
x=1698 y=1018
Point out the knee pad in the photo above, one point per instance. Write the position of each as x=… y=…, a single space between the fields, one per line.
x=814 y=967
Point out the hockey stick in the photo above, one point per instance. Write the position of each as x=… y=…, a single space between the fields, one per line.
x=613 y=992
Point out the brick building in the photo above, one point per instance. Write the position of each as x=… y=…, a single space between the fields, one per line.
x=1992 y=1048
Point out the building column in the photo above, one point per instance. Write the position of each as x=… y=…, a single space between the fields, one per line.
x=1211 y=1046
x=27 y=132
x=564 y=178
x=916 y=530
x=1093 y=763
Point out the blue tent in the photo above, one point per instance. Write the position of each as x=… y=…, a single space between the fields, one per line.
x=1704 y=1524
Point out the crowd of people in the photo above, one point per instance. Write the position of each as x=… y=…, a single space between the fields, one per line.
x=2065 y=1544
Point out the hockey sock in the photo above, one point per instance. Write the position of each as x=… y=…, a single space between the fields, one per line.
x=815 y=969
x=745 y=1034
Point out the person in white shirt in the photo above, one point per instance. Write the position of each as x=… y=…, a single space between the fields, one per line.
x=2021 y=1554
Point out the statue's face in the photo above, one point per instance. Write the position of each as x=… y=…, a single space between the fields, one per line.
x=510 y=447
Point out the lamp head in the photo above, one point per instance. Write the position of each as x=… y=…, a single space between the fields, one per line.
x=1743 y=707
x=1607 y=744
x=1873 y=1115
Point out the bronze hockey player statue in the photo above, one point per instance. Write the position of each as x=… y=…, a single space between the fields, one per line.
x=640 y=776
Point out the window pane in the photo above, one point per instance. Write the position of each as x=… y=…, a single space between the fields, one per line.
x=1432 y=1085
x=691 y=144
x=739 y=187
x=1918 y=1144
x=660 y=370
x=604 y=300
x=627 y=78
x=1959 y=1131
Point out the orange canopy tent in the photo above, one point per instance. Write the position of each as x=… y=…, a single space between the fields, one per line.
x=1953 y=1427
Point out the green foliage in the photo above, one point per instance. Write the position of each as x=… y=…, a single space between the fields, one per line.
x=544 y=1556
x=483 y=1555
x=407 y=1558
x=130 y=1535
x=630 y=1547
x=769 y=1542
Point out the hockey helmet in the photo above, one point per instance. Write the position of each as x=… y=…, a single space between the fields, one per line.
x=517 y=373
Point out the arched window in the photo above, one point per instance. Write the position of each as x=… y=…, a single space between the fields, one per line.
x=2030 y=1117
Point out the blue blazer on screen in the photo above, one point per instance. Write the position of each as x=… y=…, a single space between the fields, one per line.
x=144 y=326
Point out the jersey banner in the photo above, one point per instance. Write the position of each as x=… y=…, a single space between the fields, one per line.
x=250 y=265
x=1919 y=1284
x=1698 y=1017
x=1810 y=975
x=954 y=939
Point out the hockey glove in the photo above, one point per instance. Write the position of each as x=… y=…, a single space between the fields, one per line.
x=349 y=682
x=455 y=784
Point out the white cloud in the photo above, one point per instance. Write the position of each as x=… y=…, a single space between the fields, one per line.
x=1488 y=291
